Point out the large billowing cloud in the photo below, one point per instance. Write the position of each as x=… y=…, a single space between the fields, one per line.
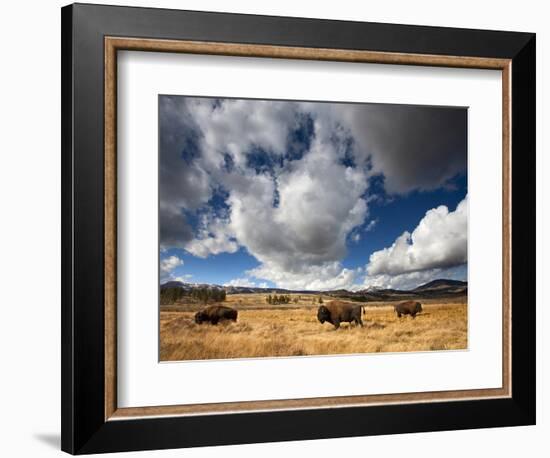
x=288 y=181
x=201 y=141
x=319 y=203
x=324 y=277
x=439 y=242
x=414 y=148
x=234 y=127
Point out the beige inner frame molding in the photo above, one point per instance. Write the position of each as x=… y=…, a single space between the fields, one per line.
x=112 y=45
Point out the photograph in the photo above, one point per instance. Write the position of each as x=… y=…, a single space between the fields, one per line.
x=293 y=228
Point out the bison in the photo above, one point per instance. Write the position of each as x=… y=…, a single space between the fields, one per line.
x=215 y=313
x=408 y=308
x=336 y=312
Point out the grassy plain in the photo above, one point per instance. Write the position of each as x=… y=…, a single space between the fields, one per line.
x=264 y=330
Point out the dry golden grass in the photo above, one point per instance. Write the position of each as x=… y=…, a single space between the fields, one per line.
x=269 y=332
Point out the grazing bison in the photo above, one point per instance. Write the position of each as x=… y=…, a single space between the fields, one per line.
x=215 y=313
x=408 y=308
x=336 y=312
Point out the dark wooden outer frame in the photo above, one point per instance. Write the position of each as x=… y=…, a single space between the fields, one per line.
x=90 y=33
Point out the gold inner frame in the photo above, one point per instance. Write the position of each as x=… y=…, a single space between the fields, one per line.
x=112 y=45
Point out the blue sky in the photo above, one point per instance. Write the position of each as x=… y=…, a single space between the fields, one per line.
x=311 y=195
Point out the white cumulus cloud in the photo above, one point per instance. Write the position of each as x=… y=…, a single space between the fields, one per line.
x=245 y=282
x=325 y=277
x=319 y=204
x=300 y=240
x=234 y=126
x=439 y=241
x=167 y=265
x=214 y=237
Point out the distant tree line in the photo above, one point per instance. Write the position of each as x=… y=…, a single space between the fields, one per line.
x=274 y=300
x=206 y=295
x=203 y=295
x=171 y=295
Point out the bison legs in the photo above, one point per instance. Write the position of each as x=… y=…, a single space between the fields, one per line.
x=359 y=321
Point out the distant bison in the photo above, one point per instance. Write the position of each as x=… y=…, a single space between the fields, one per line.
x=336 y=312
x=408 y=308
x=215 y=313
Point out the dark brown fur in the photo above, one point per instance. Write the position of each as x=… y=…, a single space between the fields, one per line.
x=336 y=312
x=215 y=313
x=411 y=308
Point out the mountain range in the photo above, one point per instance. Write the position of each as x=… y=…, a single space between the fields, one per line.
x=440 y=288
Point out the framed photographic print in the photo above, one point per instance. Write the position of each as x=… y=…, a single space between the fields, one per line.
x=288 y=190
x=271 y=222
